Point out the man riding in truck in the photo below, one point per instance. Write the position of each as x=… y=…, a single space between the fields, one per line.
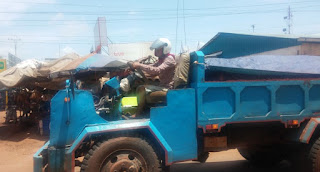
x=164 y=69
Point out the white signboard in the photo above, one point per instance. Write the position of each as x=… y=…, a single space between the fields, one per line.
x=130 y=51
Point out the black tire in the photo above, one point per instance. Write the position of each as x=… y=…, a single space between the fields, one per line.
x=126 y=153
x=262 y=156
x=314 y=156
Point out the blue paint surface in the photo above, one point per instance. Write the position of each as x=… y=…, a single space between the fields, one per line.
x=255 y=101
x=236 y=45
x=218 y=102
x=81 y=112
x=246 y=101
x=174 y=125
x=290 y=99
x=177 y=123
x=38 y=159
x=314 y=98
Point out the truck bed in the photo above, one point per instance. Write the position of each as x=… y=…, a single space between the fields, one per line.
x=243 y=101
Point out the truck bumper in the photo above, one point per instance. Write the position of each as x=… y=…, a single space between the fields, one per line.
x=38 y=160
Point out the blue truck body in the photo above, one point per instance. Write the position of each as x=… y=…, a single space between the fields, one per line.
x=177 y=128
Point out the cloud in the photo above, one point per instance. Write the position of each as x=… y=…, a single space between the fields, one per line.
x=75 y=28
x=5 y=49
x=18 y=8
x=316 y=35
x=200 y=44
x=8 y=17
x=67 y=50
x=58 y=16
x=132 y=12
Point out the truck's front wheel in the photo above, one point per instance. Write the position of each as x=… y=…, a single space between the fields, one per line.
x=121 y=154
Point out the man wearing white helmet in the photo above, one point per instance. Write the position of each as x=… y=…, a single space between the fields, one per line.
x=164 y=69
x=165 y=66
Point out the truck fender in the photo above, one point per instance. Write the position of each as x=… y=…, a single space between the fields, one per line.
x=113 y=127
x=309 y=130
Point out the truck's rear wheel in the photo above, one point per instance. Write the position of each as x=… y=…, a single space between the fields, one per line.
x=260 y=156
x=130 y=154
x=314 y=156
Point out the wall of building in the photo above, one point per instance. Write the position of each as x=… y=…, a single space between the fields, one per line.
x=130 y=51
x=283 y=51
x=310 y=49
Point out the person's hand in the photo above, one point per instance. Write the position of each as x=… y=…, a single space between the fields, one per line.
x=127 y=71
x=135 y=65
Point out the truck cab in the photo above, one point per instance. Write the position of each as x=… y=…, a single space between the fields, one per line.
x=264 y=119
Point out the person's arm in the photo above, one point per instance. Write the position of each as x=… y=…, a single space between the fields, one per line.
x=143 y=59
x=156 y=70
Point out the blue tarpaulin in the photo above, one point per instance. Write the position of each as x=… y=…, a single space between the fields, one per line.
x=267 y=64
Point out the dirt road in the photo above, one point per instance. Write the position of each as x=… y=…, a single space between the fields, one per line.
x=19 y=143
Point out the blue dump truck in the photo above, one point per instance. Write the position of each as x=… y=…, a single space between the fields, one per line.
x=266 y=120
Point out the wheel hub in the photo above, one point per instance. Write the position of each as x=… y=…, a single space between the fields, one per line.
x=124 y=163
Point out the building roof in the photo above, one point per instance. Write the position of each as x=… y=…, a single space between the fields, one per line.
x=236 y=45
x=308 y=39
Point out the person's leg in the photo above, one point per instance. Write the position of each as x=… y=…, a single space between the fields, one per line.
x=157 y=97
x=141 y=93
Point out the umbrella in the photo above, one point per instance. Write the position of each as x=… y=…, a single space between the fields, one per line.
x=92 y=62
x=100 y=62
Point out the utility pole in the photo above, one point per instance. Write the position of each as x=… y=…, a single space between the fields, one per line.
x=289 y=20
x=253 y=27
x=15 y=41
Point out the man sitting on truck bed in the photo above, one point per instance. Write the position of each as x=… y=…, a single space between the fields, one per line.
x=164 y=69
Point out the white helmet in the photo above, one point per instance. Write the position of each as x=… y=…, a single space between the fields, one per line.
x=162 y=42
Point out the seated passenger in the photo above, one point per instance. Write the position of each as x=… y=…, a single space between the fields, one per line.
x=164 y=69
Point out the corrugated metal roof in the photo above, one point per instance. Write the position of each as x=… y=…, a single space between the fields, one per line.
x=236 y=45
x=308 y=39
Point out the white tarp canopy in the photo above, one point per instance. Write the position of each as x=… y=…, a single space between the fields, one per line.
x=29 y=71
x=18 y=73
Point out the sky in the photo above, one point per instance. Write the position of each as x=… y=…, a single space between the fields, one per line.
x=53 y=28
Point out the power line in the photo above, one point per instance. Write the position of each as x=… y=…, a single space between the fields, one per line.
x=177 y=26
x=288 y=18
x=15 y=41
x=184 y=25
x=160 y=10
x=46 y=3
x=166 y=18
x=34 y=42
x=110 y=40
x=137 y=11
